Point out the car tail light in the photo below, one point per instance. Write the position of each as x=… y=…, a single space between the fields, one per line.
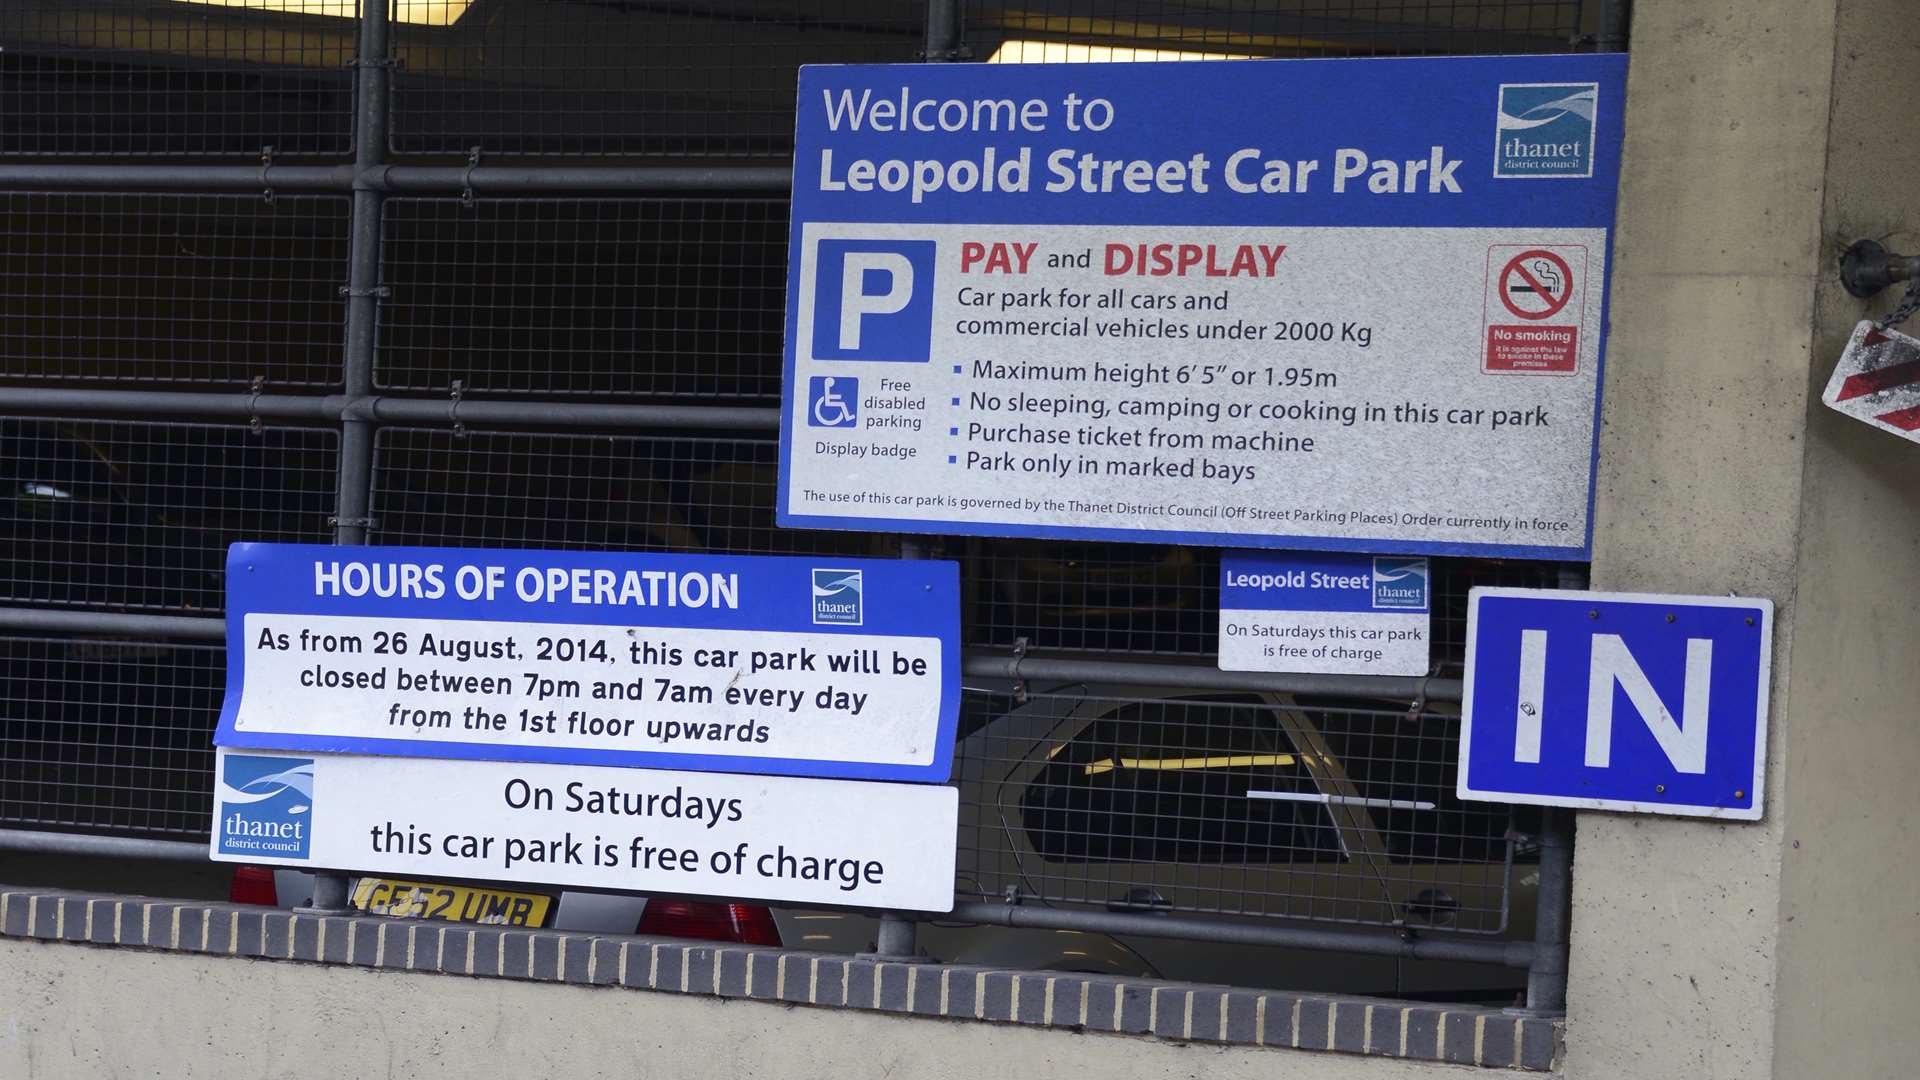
x=253 y=885
x=748 y=924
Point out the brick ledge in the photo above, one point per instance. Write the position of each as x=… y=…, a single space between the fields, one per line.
x=1462 y=1035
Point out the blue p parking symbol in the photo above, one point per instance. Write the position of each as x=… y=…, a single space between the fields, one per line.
x=873 y=300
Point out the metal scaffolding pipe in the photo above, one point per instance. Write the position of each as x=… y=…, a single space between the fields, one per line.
x=563 y=413
x=215 y=179
x=45 y=620
x=1611 y=35
x=1518 y=954
x=975 y=663
x=373 y=407
x=1547 y=981
x=482 y=180
x=168 y=404
x=1199 y=677
x=109 y=847
x=573 y=179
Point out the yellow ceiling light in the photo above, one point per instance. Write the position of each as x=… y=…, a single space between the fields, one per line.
x=416 y=12
x=1069 y=52
x=430 y=12
x=1215 y=761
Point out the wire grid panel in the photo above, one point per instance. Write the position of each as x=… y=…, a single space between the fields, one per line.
x=138 y=516
x=572 y=77
x=668 y=493
x=1452 y=580
x=1165 y=599
x=1125 y=598
x=1065 y=31
x=108 y=736
x=591 y=492
x=1226 y=804
x=624 y=297
x=158 y=78
x=186 y=289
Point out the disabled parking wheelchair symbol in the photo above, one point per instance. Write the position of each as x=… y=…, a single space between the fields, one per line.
x=833 y=401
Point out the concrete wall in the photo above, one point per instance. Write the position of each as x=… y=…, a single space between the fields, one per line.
x=70 y=1012
x=1699 y=492
x=1849 y=911
x=1762 y=135
x=1756 y=143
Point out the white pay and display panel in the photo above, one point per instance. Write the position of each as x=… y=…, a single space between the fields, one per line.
x=1160 y=383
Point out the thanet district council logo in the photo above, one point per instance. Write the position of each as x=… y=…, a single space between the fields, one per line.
x=1400 y=584
x=1545 y=130
x=266 y=806
x=836 y=597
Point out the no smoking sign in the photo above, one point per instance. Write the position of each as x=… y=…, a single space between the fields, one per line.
x=1532 y=319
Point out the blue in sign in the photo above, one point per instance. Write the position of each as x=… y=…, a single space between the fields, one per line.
x=1616 y=701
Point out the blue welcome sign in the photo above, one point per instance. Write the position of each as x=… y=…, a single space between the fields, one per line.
x=1302 y=305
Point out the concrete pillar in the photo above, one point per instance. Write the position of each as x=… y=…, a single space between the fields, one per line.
x=1849 y=913
x=1762 y=135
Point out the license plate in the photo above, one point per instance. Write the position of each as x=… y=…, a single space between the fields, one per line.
x=452 y=903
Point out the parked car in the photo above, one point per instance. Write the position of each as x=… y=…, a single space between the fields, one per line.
x=1248 y=807
x=134 y=515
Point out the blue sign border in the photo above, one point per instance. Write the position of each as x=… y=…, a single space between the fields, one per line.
x=1418 y=103
x=921 y=598
x=1639 y=772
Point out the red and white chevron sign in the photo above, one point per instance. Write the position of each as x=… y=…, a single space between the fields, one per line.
x=1878 y=381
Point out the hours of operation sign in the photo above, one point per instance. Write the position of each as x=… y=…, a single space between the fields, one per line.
x=1344 y=305
x=753 y=664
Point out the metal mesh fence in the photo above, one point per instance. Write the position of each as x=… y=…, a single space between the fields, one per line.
x=108 y=736
x=1230 y=804
x=138 y=516
x=1165 y=599
x=533 y=490
x=1060 y=31
x=553 y=77
x=1122 y=598
x=636 y=297
x=200 y=289
x=614 y=493
x=1135 y=799
x=159 y=78
x=659 y=493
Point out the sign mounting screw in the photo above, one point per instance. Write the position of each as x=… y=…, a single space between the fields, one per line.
x=1659 y=789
